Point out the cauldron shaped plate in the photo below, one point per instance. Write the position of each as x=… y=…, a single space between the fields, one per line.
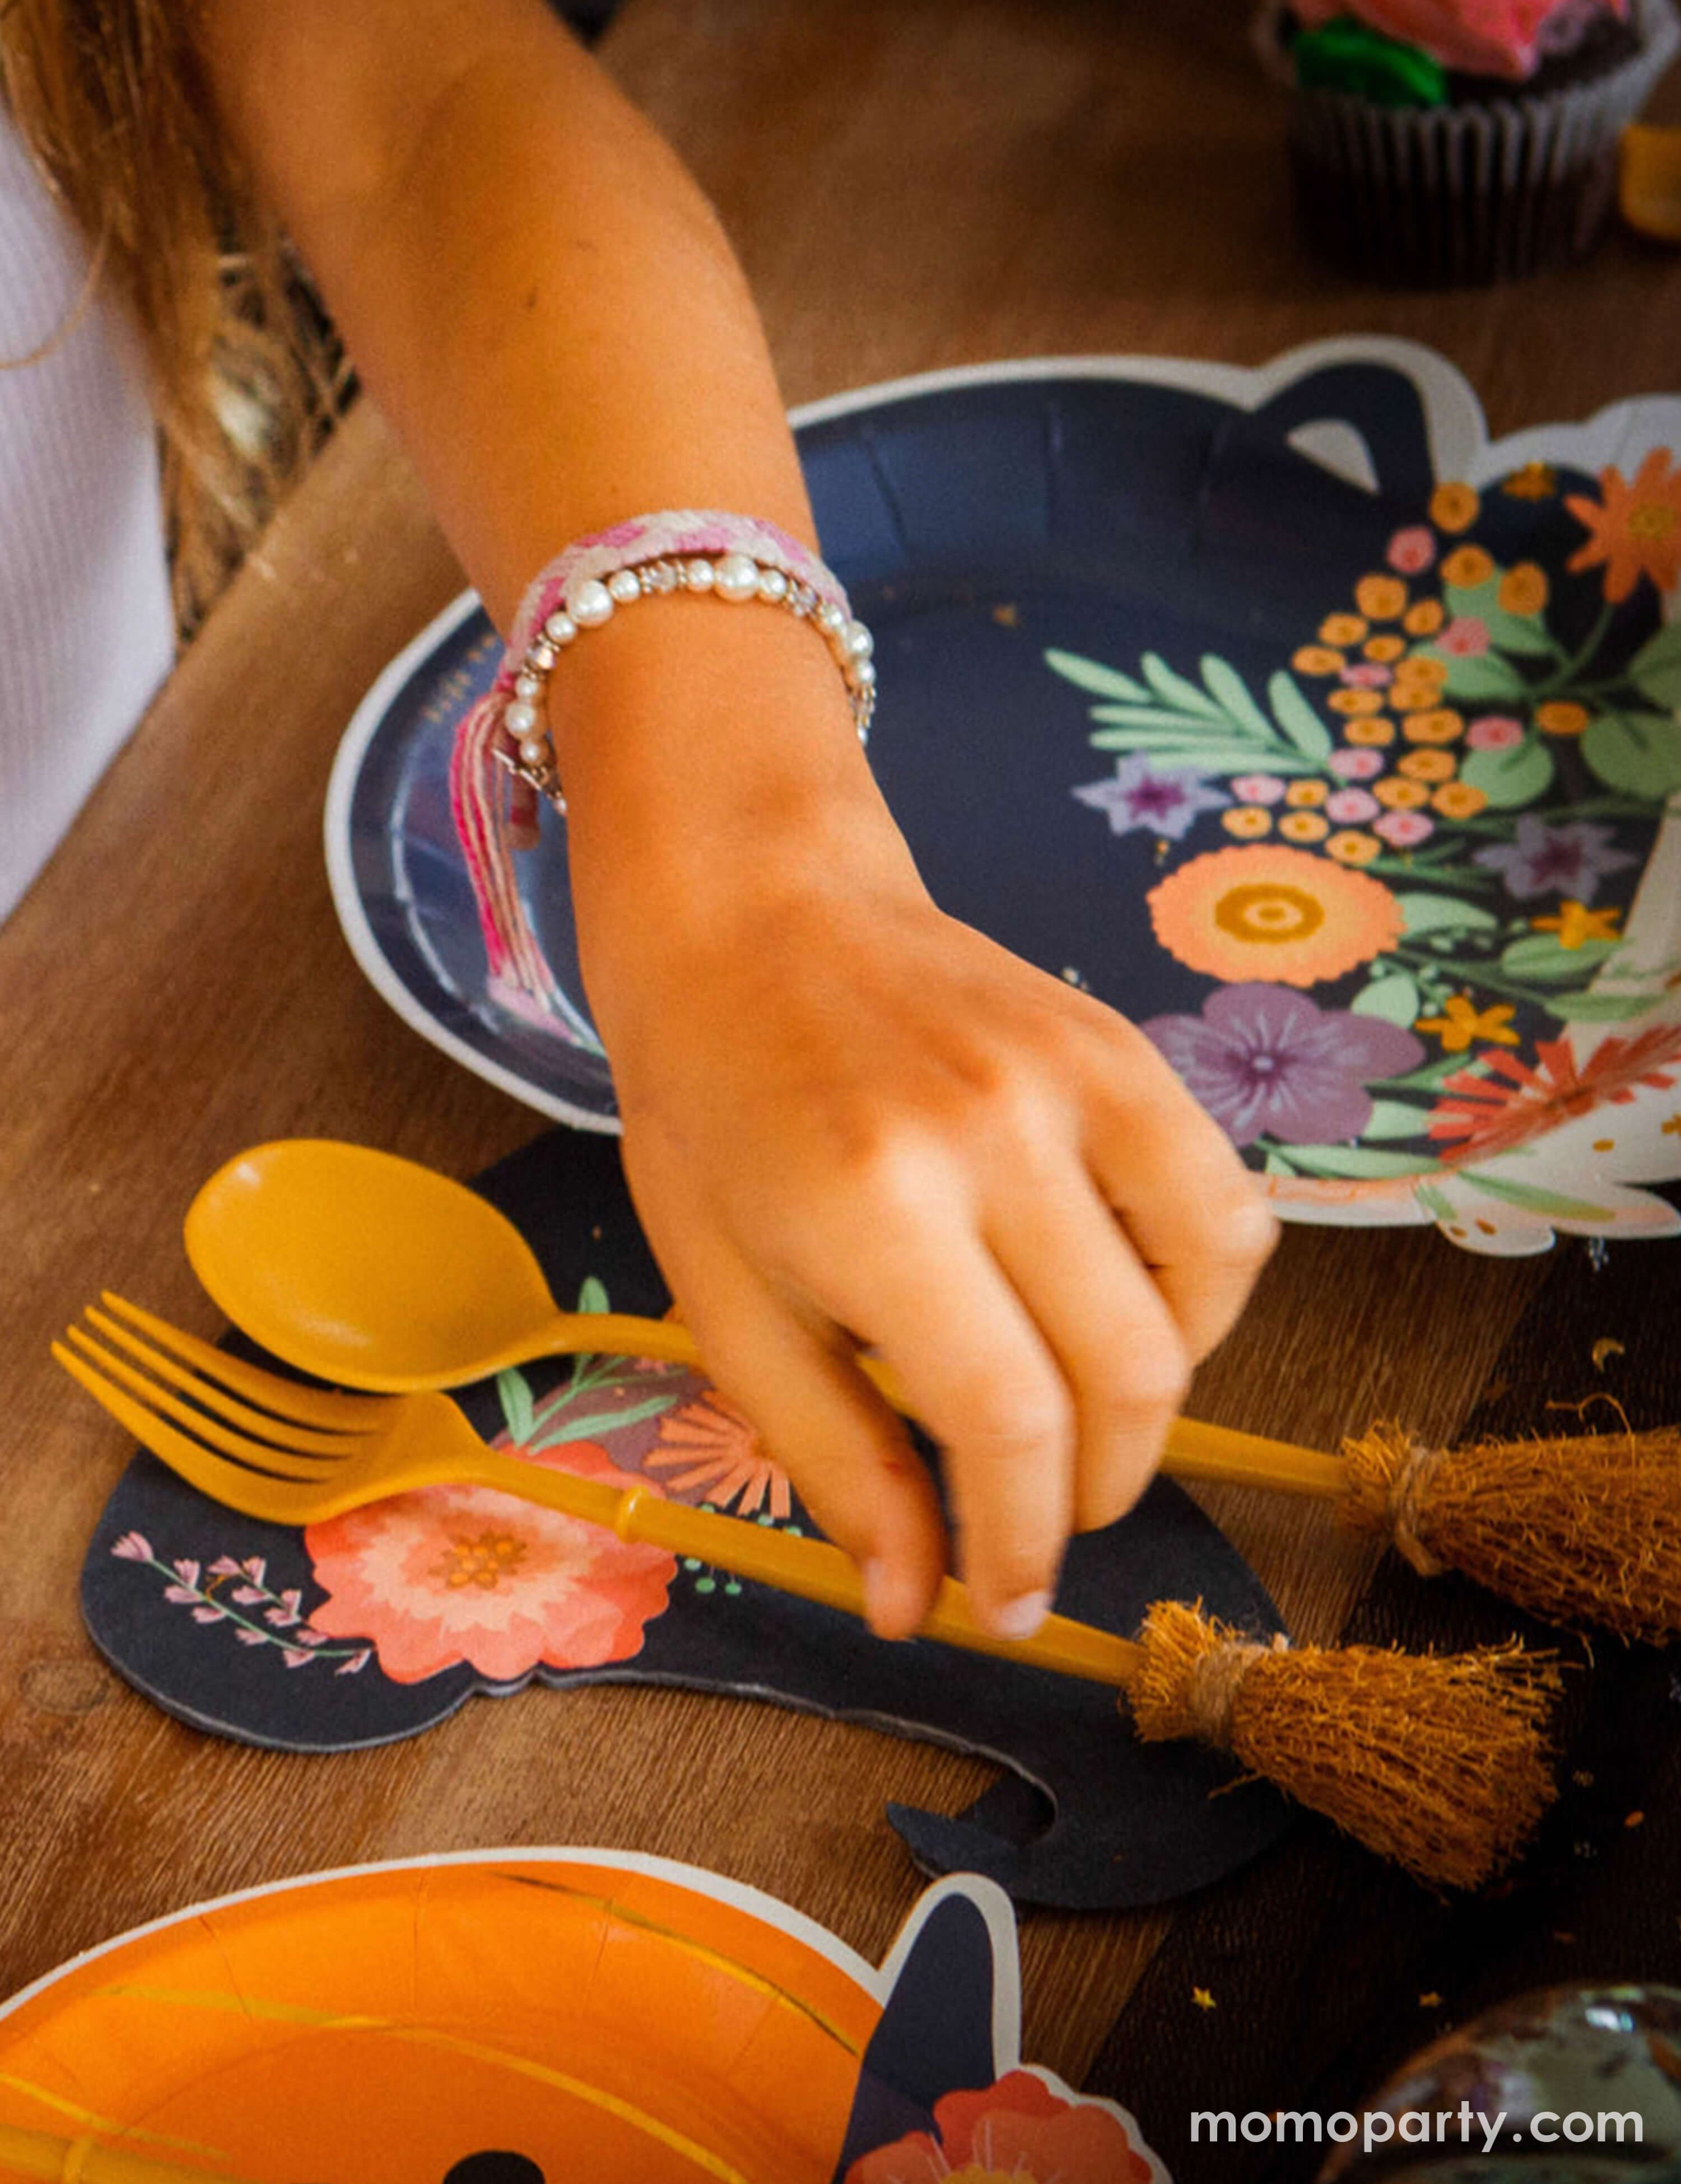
x=1369 y=724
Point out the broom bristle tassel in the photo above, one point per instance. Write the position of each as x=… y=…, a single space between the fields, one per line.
x=1579 y=1529
x=1437 y=1761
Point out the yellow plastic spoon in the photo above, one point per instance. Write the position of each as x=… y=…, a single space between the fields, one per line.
x=373 y=1272
x=379 y=1273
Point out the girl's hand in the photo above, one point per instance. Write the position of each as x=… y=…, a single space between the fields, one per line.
x=851 y=1121
x=847 y=1119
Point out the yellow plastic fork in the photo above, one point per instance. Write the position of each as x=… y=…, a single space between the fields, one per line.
x=293 y=1455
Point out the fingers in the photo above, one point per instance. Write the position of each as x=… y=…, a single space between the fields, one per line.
x=1116 y=1341
x=981 y=1376
x=1042 y=1268
x=847 y=1451
x=1195 y=1214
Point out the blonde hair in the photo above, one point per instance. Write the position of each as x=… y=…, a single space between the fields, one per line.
x=111 y=98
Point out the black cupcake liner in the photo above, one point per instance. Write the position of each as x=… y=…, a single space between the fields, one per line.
x=1471 y=193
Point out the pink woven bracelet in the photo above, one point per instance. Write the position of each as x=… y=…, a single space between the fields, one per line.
x=503 y=740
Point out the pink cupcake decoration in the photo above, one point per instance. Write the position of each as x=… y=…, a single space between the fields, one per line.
x=1479 y=38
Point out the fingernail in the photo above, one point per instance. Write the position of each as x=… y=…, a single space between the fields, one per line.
x=877 y=1593
x=1020 y=1618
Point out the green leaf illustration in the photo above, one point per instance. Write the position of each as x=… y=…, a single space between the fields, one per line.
x=1523 y=634
x=1478 y=675
x=1229 y=688
x=1512 y=777
x=1435 y=1074
x=1394 y=999
x=1359 y=1163
x=1297 y=719
x=1655 y=669
x=1212 y=756
x=567 y=1428
x=1598 y=1008
x=1396 y=1118
x=1436 y=1203
x=1507 y=631
x=1637 y=752
x=1539 y=959
x=1091 y=675
x=518 y=1412
x=1158 y=716
x=1182 y=736
x=1442 y=913
x=586 y=1366
x=1535 y=1200
x=1177 y=691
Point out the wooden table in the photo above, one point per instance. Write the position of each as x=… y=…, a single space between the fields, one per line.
x=912 y=183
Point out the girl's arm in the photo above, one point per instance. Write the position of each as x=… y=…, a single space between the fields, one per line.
x=847 y=1118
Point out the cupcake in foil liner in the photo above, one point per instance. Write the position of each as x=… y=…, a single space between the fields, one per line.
x=1486 y=188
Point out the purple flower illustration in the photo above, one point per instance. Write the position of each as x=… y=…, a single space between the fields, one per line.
x=1263 y=1060
x=1569 y=860
x=1164 y=802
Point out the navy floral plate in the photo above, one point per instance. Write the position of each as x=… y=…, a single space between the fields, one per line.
x=1335 y=744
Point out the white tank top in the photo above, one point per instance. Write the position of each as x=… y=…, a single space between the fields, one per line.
x=85 y=630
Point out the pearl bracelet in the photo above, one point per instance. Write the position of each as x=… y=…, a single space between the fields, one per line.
x=527 y=749
x=503 y=736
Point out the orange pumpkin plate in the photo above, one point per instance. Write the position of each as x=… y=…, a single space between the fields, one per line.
x=503 y=2018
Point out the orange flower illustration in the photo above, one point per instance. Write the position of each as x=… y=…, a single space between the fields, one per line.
x=724 y=1461
x=1428 y=766
x=1380 y=598
x=446 y=1574
x=1523 y=589
x=1413 y=687
x=1576 y=924
x=1487 y=1116
x=1461 y=1021
x=1272 y=914
x=1438 y=724
x=1454 y=506
x=1636 y=531
x=1534 y=481
x=1466 y=567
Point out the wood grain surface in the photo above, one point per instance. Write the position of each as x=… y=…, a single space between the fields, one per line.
x=911 y=183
